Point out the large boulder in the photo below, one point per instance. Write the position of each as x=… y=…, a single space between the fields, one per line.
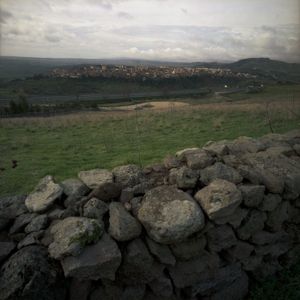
x=170 y=215
x=30 y=275
x=220 y=171
x=95 y=177
x=44 y=195
x=122 y=225
x=72 y=234
x=219 y=199
x=98 y=261
x=128 y=175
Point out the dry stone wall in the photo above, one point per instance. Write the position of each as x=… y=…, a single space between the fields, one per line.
x=201 y=225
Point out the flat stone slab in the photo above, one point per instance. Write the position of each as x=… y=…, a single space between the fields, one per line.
x=44 y=195
x=93 y=178
x=99 y=261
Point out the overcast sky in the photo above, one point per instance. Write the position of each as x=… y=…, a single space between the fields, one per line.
x=181 y=30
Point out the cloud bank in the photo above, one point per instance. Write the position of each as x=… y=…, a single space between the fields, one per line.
x=192 y=30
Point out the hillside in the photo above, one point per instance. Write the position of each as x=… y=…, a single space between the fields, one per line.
x=22 y=67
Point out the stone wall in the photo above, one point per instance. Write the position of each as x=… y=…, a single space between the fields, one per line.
x=201 y=225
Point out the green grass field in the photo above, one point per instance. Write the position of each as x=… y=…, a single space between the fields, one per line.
x=62 y=146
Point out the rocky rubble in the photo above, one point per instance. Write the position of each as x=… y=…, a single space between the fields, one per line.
x=202 y=225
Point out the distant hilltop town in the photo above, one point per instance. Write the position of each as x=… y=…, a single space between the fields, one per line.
x=123 y=71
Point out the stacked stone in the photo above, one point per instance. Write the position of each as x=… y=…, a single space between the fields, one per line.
x=200 y=225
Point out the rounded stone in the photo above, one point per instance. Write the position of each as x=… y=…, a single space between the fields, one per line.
x=170 y=215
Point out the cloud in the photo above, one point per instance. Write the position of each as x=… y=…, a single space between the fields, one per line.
x=52 y=38
x=184 y=10
x=159 y=29
x=125 y=15
x=5 y=15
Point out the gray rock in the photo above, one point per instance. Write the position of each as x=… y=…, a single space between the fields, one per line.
x=135 y=204
x=95 y=209
x=44 y=195
x=171 y=162
x=30 y=275
x=31 y=239
x=184 y=178
x=170 y=215
x=218 y=149
x=97 y=261
x=253 y=224
x=122 y=225
x=161 y=252
x=265 y=237
x=56 y=213
x=126 y=195
x=251 y=263
x=296 y=148
x=137 y=264
x=199 y=160
x=38 y=223
x=219 y=199
x=189 y=248
x=93 y=178
x=5 y=249
x=273 y=250
x=278 y=216
x=277 y=172
x=220 y=238
x=209 y=283
x=252 y=194
x=128 y=176
x=220 y=171
x=74 y=186
x=79 y=289
x=187 y=273
x=270 y=202
x=240 y=251
x=182 y=154
x=162 y=287
x=235 y=219
x=106 y=191
x=236 y=290
x=72 y=234
x=10 y=208
x=20 y=222
x=134 y=292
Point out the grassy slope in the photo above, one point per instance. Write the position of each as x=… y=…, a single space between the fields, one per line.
x=64 y=146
